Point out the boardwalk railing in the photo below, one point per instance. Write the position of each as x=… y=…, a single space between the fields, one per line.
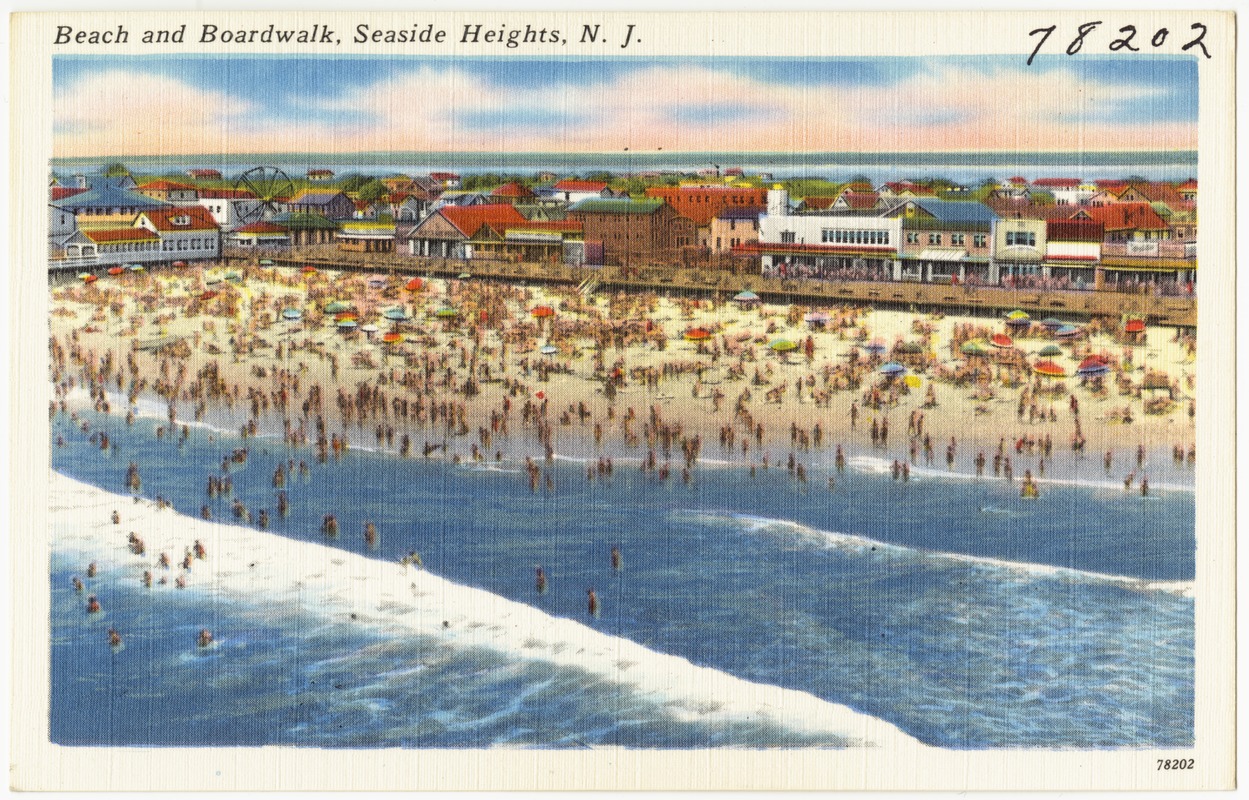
x=921 y=297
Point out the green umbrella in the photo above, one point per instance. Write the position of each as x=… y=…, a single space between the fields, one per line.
x=337 y=307
x=1050 y=350
x=782 y=345
x=446 y=312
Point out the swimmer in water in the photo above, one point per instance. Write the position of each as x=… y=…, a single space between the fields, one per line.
x=592 y=602
x=114 y=638
x=77 y=584
x=91 y=570
x=539 y=580
x=615 y=558
x=93 y=605
x=205 y=638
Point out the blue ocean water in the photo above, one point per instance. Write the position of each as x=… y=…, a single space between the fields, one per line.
x=949 y=607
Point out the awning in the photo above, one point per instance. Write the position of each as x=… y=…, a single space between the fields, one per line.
x=938 y=254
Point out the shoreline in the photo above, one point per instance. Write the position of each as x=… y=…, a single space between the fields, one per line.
x=669 y=393
x=344 y=587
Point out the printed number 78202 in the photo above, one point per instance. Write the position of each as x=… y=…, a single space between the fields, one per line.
x=1176 y=763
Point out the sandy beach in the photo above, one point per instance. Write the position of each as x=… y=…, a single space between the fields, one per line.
x=487 y=371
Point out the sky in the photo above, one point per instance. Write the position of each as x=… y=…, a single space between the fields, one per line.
x=178 y=105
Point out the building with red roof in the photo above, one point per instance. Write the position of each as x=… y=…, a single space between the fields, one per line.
x=186 y=232
x=1127 y=221
x=448 y=231
x=512 y=193
x=701 y=204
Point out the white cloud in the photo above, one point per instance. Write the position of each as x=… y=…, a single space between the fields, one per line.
x=435 y=108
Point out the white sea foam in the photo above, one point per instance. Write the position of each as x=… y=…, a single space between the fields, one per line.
x=848 y=541
x=280 y=573
x=875 y=465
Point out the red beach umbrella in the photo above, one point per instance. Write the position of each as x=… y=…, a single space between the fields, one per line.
x=116 y=270
x=1049 y=369
x=208 y=295
x=543 y=311
x=697 y=334
x=1001 y=340
x=414 y=285
x=392 y=337
x=1134 y=326
x=308 y=269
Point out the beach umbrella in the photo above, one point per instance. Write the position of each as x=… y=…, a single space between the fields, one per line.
x=116 y=270
x=975 y=347
x=1018 y=323
x=234 y=276
x=369 y=329
x=392 y=338
x=464 y=276
x=336 y=306
x=264 y=262
x=1049 y=369
x=396 y=314
x=136 y=268
x=1018 y=314
x=308 y=269
x=782 y=345
x=292 y=314
x=1094 y=364
x=1053 y=323
x=1067 y=331
x=697 y=334
x=913 y=381
x=208 y=295
x=817 y=317
x=183 y=263
x=1134 y=326
x=1050 y=350
x=346 y=325
x=414 y=285
x=345 y=315
x=446 y=312
x=892 y=369
x=548 y=349
x=910 y=347
x=1001 y=340
x=541 y=312
x=875 y=346
x=87 y=277
x=746 y=296
x=377 y=282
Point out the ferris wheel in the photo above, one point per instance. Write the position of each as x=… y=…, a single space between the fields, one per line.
x=270 y=186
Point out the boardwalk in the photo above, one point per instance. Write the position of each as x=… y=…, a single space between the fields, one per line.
x=978 y=301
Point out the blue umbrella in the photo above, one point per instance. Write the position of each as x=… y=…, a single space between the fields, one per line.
x=292 y=313
x=1067 y=330
x=395 y=314
x=892 y=368
x=548 y=349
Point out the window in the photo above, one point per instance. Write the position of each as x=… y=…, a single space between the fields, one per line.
x=978 y=240
x=1020 y=238
x=934 y=238
x=787 y=237
x=957 y=239
x=912 y=238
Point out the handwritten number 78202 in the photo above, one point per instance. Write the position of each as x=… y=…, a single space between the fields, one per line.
x=1126 y=41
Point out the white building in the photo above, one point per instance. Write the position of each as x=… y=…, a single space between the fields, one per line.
x=826 y=246
x=186 y=233
x=231 y=209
